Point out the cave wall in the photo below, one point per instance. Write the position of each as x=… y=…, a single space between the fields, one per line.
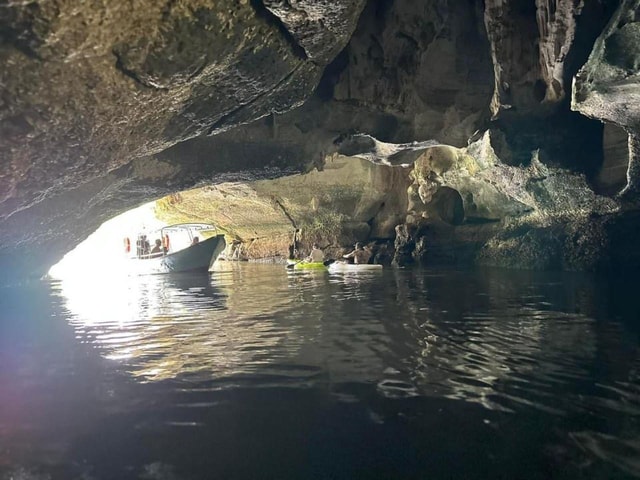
x=612 y=175
x=607 y=86
x=537 y=48
x=88 y=88
x=420 y=70
x=91 y=91
x=347 y=200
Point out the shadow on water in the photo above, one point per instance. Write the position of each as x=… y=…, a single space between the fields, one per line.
x=255 y=371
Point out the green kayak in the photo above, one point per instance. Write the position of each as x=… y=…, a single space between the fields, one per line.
x=309 y=266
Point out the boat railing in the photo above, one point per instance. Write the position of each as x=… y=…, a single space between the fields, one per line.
x=190 y=228
x=151 y=255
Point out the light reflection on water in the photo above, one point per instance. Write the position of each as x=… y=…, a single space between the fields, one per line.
x=523 y=369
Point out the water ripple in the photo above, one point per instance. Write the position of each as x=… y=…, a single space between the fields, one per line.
x=509 y=348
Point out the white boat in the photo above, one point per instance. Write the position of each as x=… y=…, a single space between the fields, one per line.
x=354 y=267
x=183 y=247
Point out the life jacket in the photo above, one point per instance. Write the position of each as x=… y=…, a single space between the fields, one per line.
x=165 y=242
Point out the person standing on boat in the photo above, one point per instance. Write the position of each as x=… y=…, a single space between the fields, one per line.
x=139 y=246
x=157 y=248
x=142 y=246
x=360 y=255
x=316 y=255
x=146 y=246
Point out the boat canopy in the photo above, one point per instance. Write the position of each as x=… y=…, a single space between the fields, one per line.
x=191 y=227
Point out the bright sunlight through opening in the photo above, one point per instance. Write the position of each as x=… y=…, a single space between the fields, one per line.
x=104 y=250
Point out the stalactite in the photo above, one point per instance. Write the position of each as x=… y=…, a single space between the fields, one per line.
x=557 y=28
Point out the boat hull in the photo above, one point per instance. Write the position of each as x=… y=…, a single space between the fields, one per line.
x=199 y=257
x=354 y=267
x=309 y=266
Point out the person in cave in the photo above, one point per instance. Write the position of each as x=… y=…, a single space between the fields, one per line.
x=142 y=246
x=157 y=248
x=316 y=255
x=359 y=255
x=139 y=246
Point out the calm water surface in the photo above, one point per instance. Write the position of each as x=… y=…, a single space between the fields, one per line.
x=256 y=372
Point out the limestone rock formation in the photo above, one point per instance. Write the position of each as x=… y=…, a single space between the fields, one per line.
x=538 y=81
x=348 y=200
x=612 y=176
x=468 y=206
x=91 y=91
x=415 y=71
x=608 y=85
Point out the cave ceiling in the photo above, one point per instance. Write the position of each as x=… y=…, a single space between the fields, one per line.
x=106 y=105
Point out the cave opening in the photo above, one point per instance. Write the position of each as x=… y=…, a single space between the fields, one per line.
x=105 y=250
x=349 y=200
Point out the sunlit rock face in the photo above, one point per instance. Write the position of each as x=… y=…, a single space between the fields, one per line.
x=560 y=221
x=348 y=200
x=467 y=206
